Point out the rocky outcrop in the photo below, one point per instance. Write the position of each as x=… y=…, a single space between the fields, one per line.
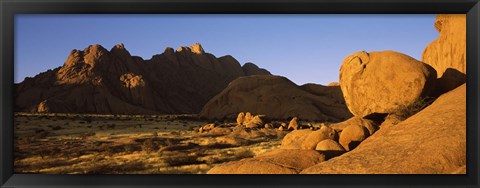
x=449 y=49
x=381 y=82
x=97 y=80
x=432 y=141
x=276 y=97
x=282 y=161
x=447 y=54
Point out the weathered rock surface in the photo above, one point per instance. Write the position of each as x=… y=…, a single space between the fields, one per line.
x=256 y=122
x=432 y=141
x=240 y=118
x=369 y=124
x=276 y=97
x=317 y=136
x=96 y=80
x=294 y=139
x=282 y=161
x=447 y=54
x=293 y=124
x=380 y=82
x=352 y=136
x=449 y=49
x=330 y=148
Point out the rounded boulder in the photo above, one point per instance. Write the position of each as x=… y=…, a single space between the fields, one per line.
x=352 y=135
x=317 y=136
x=381 y=82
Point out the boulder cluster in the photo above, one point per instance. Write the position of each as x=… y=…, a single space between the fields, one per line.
x=334 y=139
x=376 y=86
x=248 y=121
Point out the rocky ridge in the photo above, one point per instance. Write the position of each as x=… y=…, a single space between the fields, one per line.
x=101 y=81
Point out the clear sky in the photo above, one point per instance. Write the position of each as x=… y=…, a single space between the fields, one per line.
x=303 y=48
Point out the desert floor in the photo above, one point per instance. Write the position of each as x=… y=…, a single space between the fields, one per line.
x=117 y=144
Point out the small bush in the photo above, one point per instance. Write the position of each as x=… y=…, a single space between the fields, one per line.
x=87 y=135
x=129 y=148
x=181 y=159
x=169 y=142
x=56 y=128
x=149 y=146
x=403 y=112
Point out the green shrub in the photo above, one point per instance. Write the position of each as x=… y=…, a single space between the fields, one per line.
x=405 y=111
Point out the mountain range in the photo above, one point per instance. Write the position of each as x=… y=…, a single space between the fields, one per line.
x=101 y=81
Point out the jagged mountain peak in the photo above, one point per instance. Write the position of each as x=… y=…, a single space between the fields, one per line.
x=195 y=48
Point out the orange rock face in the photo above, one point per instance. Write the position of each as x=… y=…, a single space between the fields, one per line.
x=96 y=80
x=447 y=54
x=432 y=141
x=449 y=49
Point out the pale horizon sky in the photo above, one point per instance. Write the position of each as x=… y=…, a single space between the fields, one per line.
x=303 y=48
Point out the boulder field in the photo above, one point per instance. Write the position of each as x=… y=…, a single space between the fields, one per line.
x=423 y=139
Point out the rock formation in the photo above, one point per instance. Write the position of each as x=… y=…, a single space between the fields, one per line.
x=317 y=136
x=97 y=80
x=278 y=98
x=295 y=139
x=447 y=54
x=381 y=82
x=282 y=161
x=352 y=135
x=330 y=148
x=430 y=142
x=449 y=49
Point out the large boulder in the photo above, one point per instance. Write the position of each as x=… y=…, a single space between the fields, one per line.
x=352 y=136
x=381 y=82
x=274 y=96
x=447 y=54
x=295 y=139
x=281 y=161
x=101 y=81
x=433 y=141
x=330 y=148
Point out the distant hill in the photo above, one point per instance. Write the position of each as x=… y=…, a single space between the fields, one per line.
x=96 y=80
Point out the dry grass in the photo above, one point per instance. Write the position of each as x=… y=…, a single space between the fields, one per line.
x=108 y=144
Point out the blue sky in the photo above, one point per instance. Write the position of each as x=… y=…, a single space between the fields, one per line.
x=303 y=48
